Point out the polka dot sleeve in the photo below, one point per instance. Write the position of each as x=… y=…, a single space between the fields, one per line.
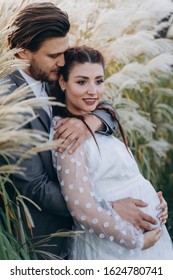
x=86 y=208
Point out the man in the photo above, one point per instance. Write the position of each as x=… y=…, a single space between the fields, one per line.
x=42 y=37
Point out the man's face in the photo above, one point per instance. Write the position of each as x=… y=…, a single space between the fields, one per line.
x=46 y=62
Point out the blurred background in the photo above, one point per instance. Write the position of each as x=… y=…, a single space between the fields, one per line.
x=136 y=38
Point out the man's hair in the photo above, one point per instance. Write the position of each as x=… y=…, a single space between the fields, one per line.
x=37 y=22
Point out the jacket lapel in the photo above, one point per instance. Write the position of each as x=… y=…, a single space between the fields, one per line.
x=17 y=77
x=41 y=113
x=43 y=117
x=44 y=120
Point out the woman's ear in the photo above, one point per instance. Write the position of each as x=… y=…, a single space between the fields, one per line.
x=62 y=83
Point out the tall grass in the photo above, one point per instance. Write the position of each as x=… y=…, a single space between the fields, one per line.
x=136 y=38
x=15 y=112
x=137 y=42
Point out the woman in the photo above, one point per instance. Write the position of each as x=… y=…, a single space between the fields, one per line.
x=101 y=171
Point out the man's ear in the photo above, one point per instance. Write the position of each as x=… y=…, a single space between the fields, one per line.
x=62 y=83
x=23 y=54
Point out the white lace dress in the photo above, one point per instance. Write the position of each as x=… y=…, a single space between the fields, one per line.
x=91 y=179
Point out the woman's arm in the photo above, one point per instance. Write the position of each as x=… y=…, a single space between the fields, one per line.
x=73 y=130
x=86 y=207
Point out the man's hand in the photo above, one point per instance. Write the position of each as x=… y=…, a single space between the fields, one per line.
x=163 y=215
x=128 y=209
x=73 y=130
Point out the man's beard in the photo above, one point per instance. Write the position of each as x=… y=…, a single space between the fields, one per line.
x=38 y=74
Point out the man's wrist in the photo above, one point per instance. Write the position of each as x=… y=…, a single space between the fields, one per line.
x=94 y=123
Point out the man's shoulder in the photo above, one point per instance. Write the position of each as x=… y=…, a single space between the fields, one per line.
x=9 y=77
x=10 y=82
x=14 y=79
x=5 y=78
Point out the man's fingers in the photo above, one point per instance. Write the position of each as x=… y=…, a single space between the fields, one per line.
x=60 y=123
x=69 y=140
x=74 y=147
x=139 y=202
x=146 y=222
x=145 y=226
x=149 y=218
x=73 y=131
x=63 y=132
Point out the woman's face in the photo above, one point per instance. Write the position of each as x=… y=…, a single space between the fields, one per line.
x=84 y=88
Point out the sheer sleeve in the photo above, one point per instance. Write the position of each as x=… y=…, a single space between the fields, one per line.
x=86 y=208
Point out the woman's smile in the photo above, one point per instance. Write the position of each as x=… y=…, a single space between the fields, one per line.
x=90 y=101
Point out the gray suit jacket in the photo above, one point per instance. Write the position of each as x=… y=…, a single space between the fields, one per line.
x=40 y=183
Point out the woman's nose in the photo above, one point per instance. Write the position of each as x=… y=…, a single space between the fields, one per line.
x=92 y=89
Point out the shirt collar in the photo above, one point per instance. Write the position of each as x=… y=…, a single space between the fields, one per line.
x=35 y=85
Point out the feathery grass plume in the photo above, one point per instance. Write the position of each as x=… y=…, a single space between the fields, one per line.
x=136 y=61
x=15 y=112
x=136 y=39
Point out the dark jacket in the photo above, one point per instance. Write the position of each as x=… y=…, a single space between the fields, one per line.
x=41 y=185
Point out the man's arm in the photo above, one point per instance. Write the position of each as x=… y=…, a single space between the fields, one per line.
x=73 y=130
x=36 y=185
x=107 y=115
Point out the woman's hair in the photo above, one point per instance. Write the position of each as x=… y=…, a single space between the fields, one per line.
x=81 y=55
x=35 y=23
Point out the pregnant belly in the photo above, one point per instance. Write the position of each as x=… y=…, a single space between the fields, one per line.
x=137 y=188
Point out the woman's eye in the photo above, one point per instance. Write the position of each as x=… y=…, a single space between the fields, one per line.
x=100 y=81
x=81 y=82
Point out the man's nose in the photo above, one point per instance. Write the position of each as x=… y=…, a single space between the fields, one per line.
x=60 y=60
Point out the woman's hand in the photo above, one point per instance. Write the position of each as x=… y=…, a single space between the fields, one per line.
x=163 y=215
x=151 y=237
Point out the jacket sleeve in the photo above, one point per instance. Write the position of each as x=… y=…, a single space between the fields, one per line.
x=38 y=181
x=110 y=124
x=36 y=185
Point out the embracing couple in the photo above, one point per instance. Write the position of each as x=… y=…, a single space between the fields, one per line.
x=92 y=182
